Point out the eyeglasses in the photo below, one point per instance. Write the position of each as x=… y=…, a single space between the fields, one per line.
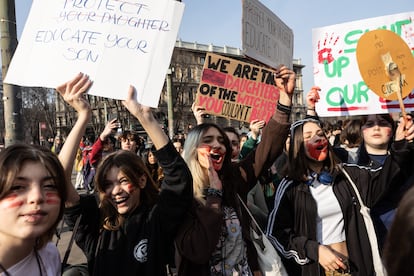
x=294 y=125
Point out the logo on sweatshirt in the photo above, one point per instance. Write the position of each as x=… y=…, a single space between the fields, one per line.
x=140 y=251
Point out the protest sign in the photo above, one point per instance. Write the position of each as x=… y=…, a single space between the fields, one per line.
x=237 y=90
x=117 y=43
x=343 y=90
x=265 y=37
x=386 y=65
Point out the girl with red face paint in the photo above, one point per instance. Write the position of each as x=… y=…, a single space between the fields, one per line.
x=215 y=238
x=130 y=230
x=316 y=222
x=32 y=196
x=371 y=136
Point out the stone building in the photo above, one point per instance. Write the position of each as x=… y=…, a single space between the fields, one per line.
x=185 y=73
x=181 y=82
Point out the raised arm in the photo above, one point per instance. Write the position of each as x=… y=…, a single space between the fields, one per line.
x=251 y=143
x=73 y=94
x=199 y=113
x=286 y=83
x=146 y=118
x=311 y=99
x=275 y=132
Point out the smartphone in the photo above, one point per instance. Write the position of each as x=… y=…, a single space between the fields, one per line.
x=118 y=127
x=111 y=117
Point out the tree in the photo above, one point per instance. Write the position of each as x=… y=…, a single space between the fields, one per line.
x=38 y=105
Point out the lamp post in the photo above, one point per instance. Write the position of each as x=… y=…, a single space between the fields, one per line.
x=170 y=110
x=12 y=94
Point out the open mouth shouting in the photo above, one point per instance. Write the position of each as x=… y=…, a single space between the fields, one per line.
x=216 y=157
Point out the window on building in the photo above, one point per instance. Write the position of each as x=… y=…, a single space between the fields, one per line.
x=189 y=74
x=191 y=94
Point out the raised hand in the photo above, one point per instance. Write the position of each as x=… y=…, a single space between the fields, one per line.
x=109 y=128
x=134 y=107
x=405 y=129
x=198 y=112
x=312 y=97
x=255 y=127
x=146 y=118
x=285 y=80
x=73 y=92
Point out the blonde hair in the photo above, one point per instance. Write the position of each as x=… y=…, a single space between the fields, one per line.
x=190 y=155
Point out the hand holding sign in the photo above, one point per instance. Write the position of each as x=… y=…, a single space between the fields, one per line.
x=386 y=65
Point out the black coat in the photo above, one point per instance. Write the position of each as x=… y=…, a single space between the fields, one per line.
x=292 y=223
x=142 y=245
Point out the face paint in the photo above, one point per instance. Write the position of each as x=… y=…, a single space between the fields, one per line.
x=203 y=153
x=217 y=158
x=11 y=201
x=317 y=148
x=130 y=188
x=52 y=198
x=207 y=154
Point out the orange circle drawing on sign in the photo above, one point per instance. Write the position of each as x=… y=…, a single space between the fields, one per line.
x=384 y=60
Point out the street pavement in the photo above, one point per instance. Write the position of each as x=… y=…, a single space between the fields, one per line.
x=76 y=255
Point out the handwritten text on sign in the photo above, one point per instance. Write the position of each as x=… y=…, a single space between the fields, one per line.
x=132 y=15
x=115 y=42
x=336 y=69
x=237 y=90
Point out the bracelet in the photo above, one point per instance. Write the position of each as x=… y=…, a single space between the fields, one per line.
x=284 y=108
x=214 y=192
x=311 y=109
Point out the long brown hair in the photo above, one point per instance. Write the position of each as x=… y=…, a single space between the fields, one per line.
x=12 y=160
x=133 y=167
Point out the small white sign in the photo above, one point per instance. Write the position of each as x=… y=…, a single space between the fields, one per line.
x=265 y=37
x=117 y=43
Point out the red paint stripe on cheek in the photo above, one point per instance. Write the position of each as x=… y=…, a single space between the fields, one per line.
x=52 y=199
x=11 y=201
x=131 y=188
x=390 y=132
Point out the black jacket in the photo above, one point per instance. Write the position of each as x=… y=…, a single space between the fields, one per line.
x=199 y=235
x=141 y=246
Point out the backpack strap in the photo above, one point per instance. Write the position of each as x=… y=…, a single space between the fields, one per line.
x=70 y=244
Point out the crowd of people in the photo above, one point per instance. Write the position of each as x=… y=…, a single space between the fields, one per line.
x=173 y=206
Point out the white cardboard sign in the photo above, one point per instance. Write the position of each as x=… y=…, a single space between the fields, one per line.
x=343 y=92
x=117 y=43
x=265 y=37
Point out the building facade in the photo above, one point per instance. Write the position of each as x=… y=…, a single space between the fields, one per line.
x=185 y=73
x=174 y=112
